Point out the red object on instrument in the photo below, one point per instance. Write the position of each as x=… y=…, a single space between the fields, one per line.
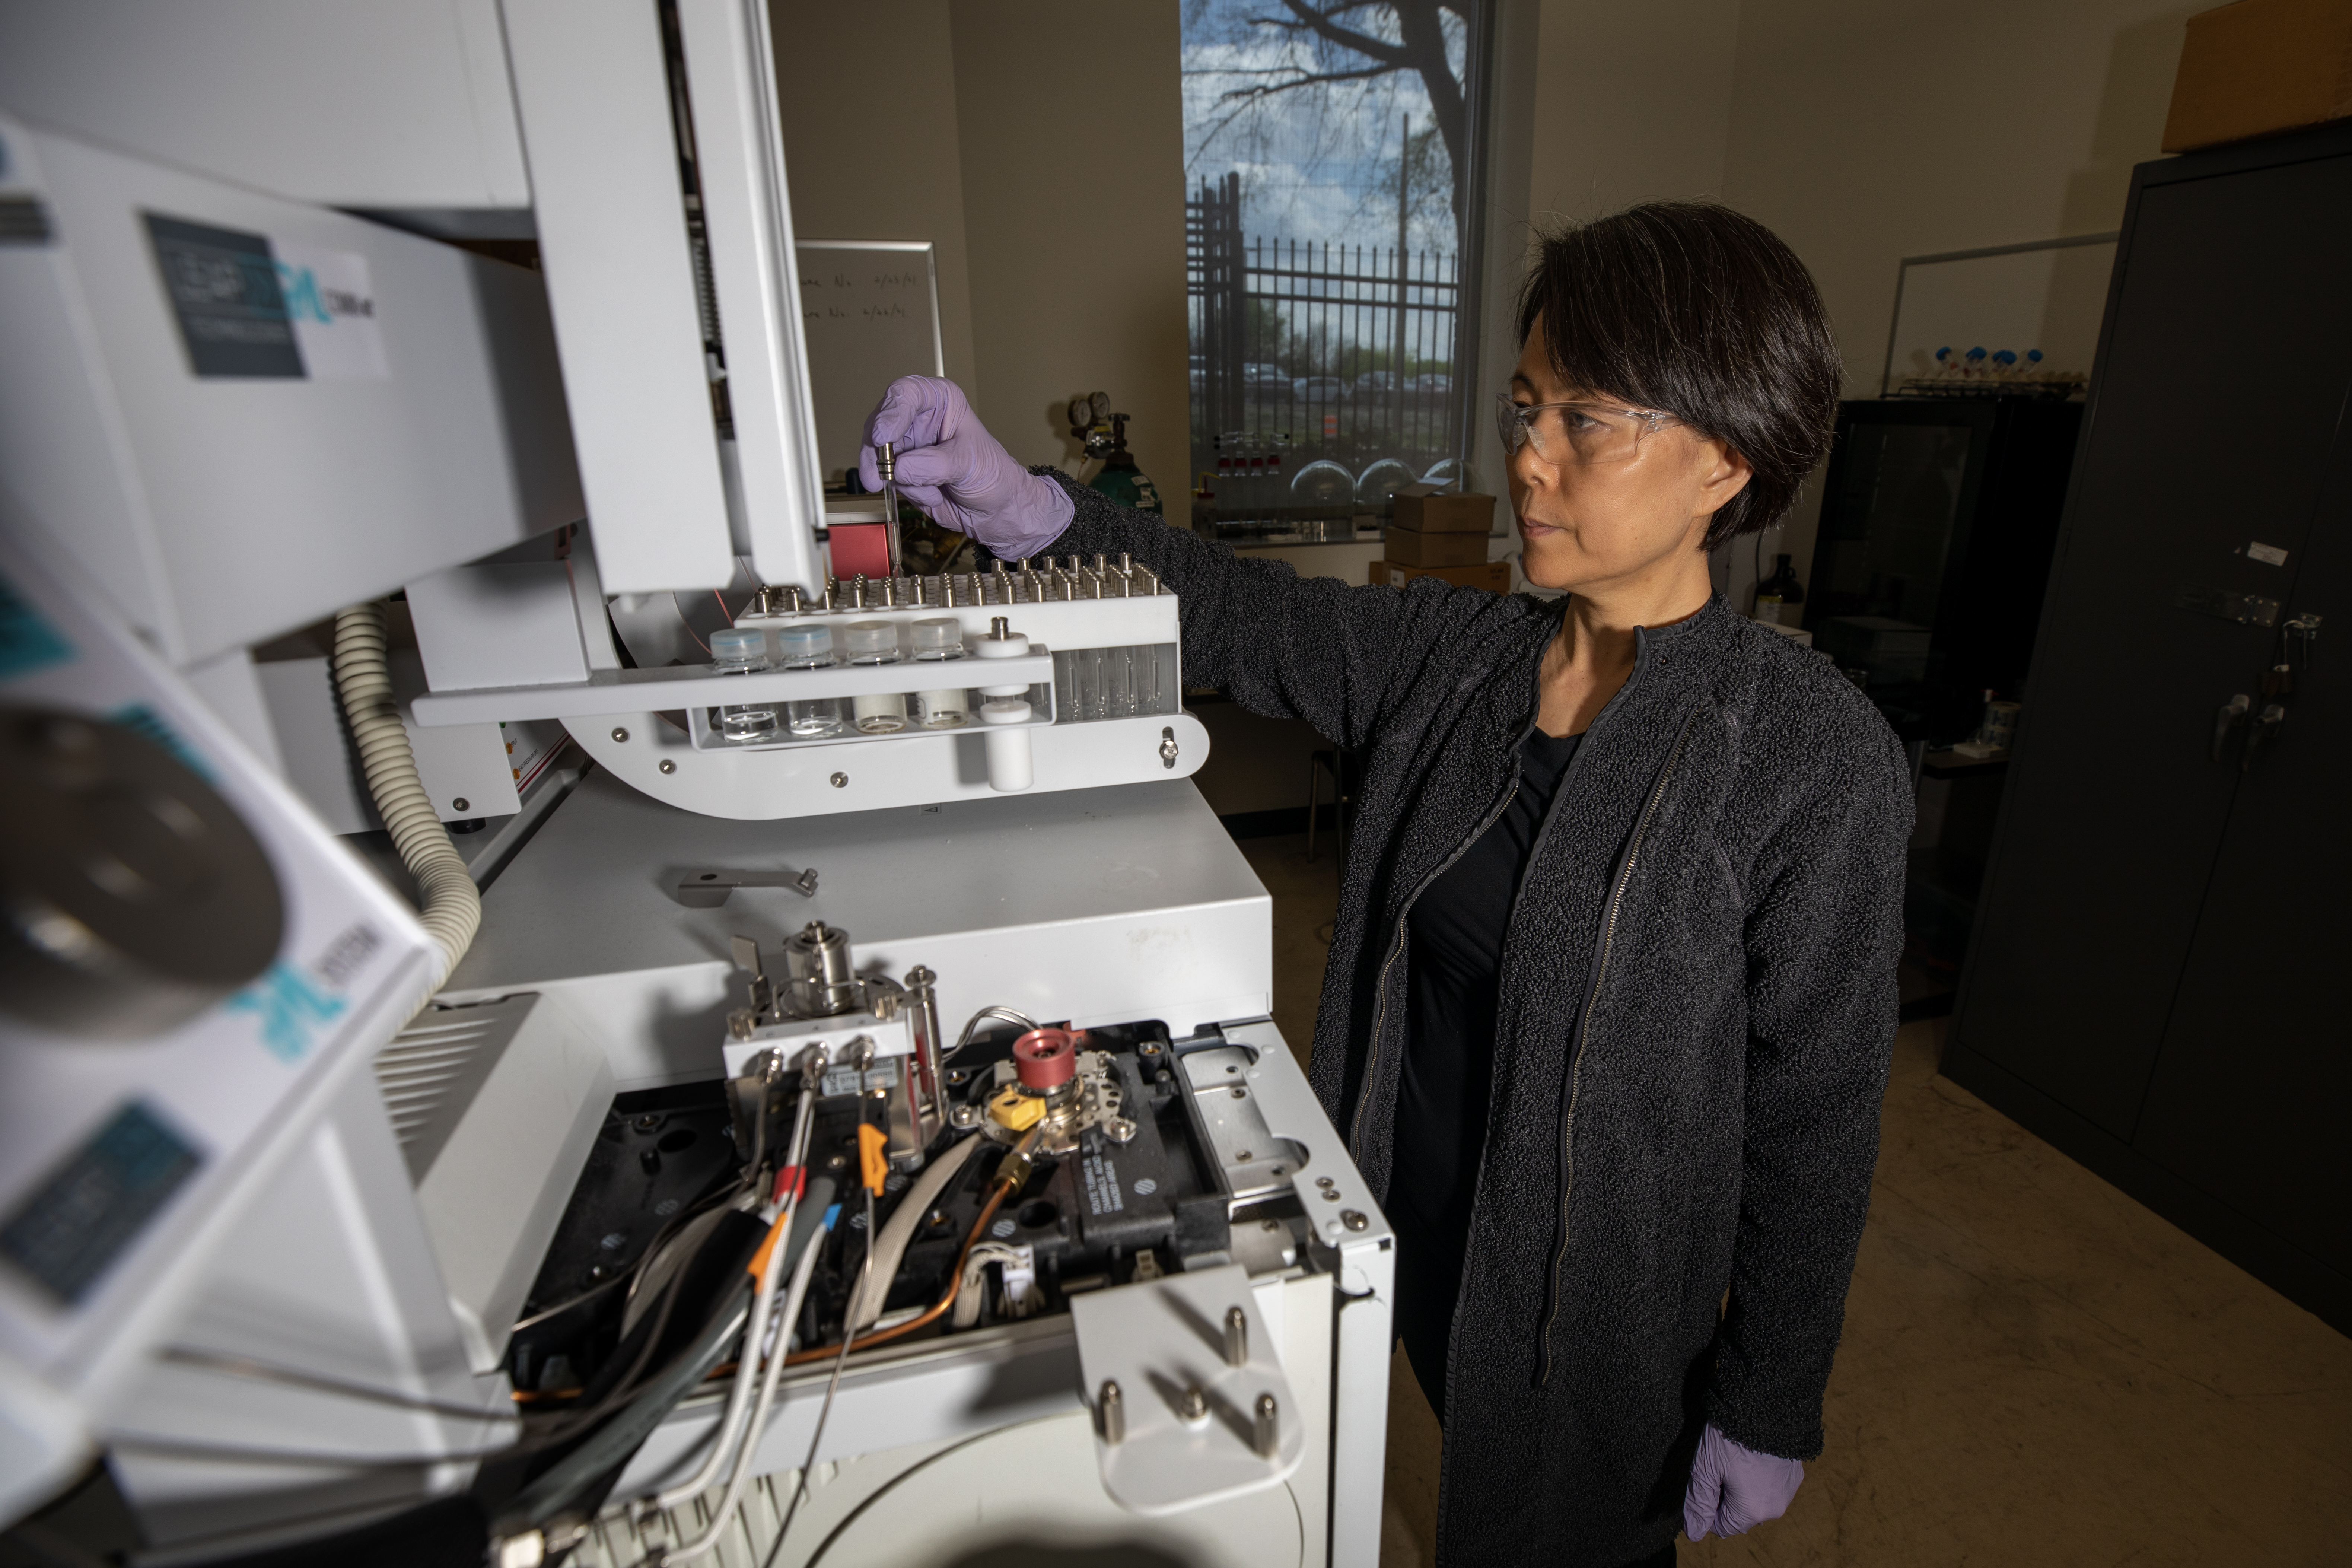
x=1046 y=1059
x=859 y=549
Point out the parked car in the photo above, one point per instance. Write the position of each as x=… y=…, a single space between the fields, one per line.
x=1264 y=383
x=1430 y=383
x=1374 y=387
x=1328 y=391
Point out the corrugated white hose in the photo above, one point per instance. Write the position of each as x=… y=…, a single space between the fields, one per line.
x=453 y=905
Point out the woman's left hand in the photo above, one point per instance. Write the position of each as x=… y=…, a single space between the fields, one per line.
x=1733 y=1489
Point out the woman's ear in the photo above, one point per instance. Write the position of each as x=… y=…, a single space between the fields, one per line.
x=1724 y=473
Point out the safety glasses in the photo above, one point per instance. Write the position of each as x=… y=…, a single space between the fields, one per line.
x=1575 y=432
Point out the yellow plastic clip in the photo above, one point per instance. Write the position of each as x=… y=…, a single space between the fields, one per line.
x=872 y=1164
x=1014 y=1110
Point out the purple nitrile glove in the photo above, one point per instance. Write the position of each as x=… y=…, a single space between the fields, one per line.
x=948 y=464
x=1734 y=1489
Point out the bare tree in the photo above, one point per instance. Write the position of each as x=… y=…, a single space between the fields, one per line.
x=1349 y=46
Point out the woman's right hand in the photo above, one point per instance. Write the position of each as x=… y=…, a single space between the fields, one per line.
x=946 y=462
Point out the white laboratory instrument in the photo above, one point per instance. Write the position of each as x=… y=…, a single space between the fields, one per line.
x=265 y=352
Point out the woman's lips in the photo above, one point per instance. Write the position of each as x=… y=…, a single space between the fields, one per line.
x=1533 y=530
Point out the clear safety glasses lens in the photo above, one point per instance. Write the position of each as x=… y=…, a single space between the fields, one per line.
x=1579 y=433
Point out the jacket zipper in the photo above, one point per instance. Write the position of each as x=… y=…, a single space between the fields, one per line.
x=1396 y=947
x=1583 y=1027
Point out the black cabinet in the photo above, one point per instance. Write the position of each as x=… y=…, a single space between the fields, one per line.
x=2151 y=981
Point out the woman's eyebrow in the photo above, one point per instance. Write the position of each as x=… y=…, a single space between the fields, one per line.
x=1520 y=383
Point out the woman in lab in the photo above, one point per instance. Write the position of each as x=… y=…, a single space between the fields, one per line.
x=1611 y=997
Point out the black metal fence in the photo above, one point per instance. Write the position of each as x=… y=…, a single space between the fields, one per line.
x=1318 y=350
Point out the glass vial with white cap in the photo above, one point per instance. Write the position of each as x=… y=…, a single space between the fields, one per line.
x=805 y=646
x=871 y=643
x=937 y=641
x=742 y=650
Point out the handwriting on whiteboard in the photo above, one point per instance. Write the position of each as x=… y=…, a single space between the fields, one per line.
x=815 y=286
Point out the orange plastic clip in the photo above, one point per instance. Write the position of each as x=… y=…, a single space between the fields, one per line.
x=758 y=1264
x=872 y=1164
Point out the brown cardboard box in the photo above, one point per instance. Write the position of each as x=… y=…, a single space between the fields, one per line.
x=2261 y=66
x=1494 y=576
x=1407 y=547
x=1424 y=509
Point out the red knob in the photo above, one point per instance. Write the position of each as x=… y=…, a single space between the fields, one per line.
x=1046 y=1059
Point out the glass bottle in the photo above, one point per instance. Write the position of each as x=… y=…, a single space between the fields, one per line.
x=872 y=643
x=1778 y=595
x=809 y=646
x=742 y=650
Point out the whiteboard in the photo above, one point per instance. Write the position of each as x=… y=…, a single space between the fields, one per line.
x=869 y=314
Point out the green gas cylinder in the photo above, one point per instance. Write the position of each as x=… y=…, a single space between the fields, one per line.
x=1121 y=479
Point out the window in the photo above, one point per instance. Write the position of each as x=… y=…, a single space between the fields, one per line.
x=1329 y=148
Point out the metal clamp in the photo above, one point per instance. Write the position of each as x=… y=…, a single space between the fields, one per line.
x=708 y=889
x=1168 y=746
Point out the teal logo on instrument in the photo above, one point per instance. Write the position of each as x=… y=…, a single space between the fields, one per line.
x=291 y=1010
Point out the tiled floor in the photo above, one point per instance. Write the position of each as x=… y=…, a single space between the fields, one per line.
x=2035 y=1369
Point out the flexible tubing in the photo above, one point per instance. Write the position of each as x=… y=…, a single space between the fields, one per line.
x=891 y=1246
x=723 y=1515
x=621 y=1435
x=755 y=1333
x=453 y=905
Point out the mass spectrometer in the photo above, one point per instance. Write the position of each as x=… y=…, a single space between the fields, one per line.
x=858 y=1106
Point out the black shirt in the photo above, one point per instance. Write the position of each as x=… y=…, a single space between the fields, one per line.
x=1456 y=929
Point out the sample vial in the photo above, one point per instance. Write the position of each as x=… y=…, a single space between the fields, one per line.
x=742 y=650
x=809 y=647
x=870 y=643
x=941 y=636
x=942 y=710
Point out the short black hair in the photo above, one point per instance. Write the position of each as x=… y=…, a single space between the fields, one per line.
x=1703 y=313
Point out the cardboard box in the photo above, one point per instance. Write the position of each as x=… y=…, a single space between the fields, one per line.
x=2258 y=67
x=1425 y=508
x=1409 y=548
x=1494 y=576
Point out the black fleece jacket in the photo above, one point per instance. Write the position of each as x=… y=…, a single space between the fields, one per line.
x=1695 y=1015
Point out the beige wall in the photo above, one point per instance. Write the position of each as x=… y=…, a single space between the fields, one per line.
x=1039 y=146
x=1861 y=131
x=1632 y=103
x=1070 y=121
x=870 y=138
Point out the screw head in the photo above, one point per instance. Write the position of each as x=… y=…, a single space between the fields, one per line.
x=840 y=781
x=1354 y=1219
x=1329 y=1194
x=461 y=803
x=1323 y=1181
x=667 y=766
x=620 y=735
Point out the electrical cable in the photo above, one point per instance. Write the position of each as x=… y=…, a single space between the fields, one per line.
x=755 y=1334
x=295 y=1377
x=832 y=1384
x=891 y=1246
x=1010 y=1172
x=1005 y=1013
x=723 y=1514
x=612 y=1443
x=453 y=905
